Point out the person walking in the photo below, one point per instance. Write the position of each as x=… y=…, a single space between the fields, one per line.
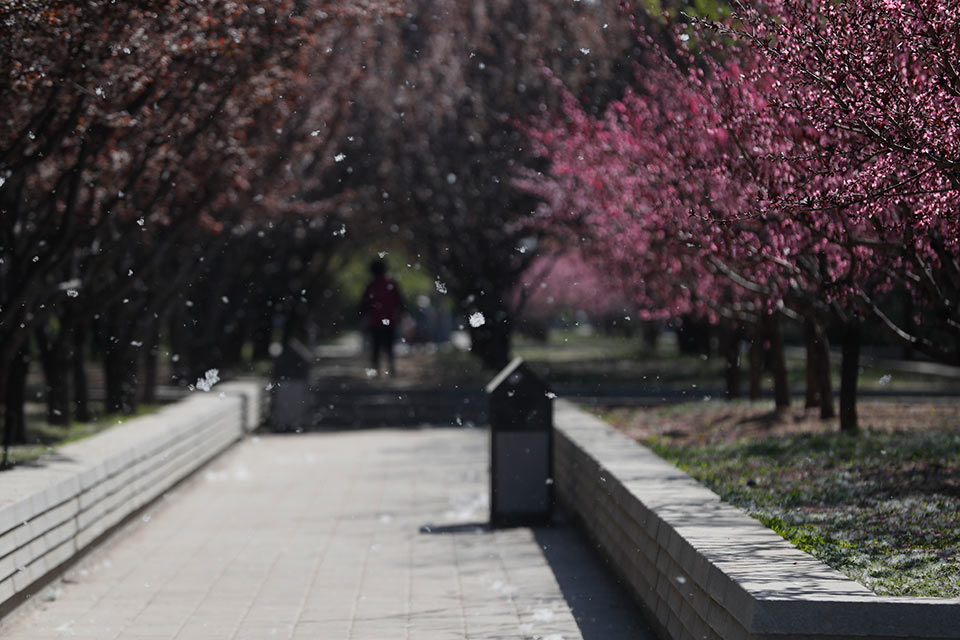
x=380 y=310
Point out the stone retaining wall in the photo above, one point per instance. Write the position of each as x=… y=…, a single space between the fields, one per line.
x=51 y=511
x=702 y=569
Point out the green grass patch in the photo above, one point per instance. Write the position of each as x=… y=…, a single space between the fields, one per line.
x=882 y=507
x=569 y=357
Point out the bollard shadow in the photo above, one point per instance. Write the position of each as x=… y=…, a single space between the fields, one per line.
x=464 y=527
x=601 y=606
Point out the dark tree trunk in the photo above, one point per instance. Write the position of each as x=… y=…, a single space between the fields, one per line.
x=491 y=343
x=15 y=424
x=756 y=364
x=693 y=336
x=812 y=394
x=818 y=348
x=778 y=364
x=78 y=365
x=262 y=334
x=56 y=352
x=730 y=347
x=849 y=375
x=56 y=373
x=151 y=364
x=651 y=333
x=909 y=324
x=179 y=348
x=121 y=359
x=233 y=346
x=122 y=380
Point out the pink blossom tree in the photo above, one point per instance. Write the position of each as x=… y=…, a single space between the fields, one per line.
x=566 y=283
x=791 y=158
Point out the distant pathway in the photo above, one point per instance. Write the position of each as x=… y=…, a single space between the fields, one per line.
x=319 y=536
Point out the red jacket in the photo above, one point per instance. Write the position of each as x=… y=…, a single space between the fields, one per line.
x=382 y=302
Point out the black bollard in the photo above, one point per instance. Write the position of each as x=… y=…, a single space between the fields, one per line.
x=521 y=447
x=291 y=406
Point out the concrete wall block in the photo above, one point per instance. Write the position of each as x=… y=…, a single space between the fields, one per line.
x=28 y=553
x=90 y=515
x=698 y=598
x=91 y=495
x=55 y=538
x=56 y=517
x=23 y=534
x=664 y=586
x=8 y=544
x=7 y=590
x=8 y=519
x=674 y=626
x=694 y=625
x=661 y=613
x=727 y=626
x=254 y=395
x=84 y=537
x=40 y=502
x=674 y=599
x=27 y=575
x=645 y=570
x=7 y=566
x=60 y=554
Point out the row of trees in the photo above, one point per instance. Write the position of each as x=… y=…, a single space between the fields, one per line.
x=799 y=158
x=166 y=168
x=181 y=177
x=183 y=174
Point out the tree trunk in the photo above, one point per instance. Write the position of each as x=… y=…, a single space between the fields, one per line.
x=151 y=364
x=81 y=390
x=122 y=380
x=730 y=347
x=778 y=363
x=14 y=428
x=121 y=360
x=909 y=324
x=56 y=346
x=756 y=364
x=693 y=336
x=812 y=395
x=821 y=347
x=491 y=343
x=849 y=375
x=233 y=346
x=262 y=334
x=56 y=373
x=651 y=333
x=179 y=348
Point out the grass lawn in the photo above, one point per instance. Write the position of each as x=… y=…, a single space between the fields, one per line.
x=882 y=507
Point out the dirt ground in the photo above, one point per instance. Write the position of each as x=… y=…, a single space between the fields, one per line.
x=716 y=422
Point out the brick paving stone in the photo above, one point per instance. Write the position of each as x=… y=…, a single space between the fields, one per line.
x=318 y=536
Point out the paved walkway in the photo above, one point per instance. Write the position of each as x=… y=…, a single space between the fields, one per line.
x=325 y=536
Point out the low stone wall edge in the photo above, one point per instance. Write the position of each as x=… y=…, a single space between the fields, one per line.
x=724 y=572
x=50 y=513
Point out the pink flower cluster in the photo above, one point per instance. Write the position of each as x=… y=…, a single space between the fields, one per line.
x=800 y=155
